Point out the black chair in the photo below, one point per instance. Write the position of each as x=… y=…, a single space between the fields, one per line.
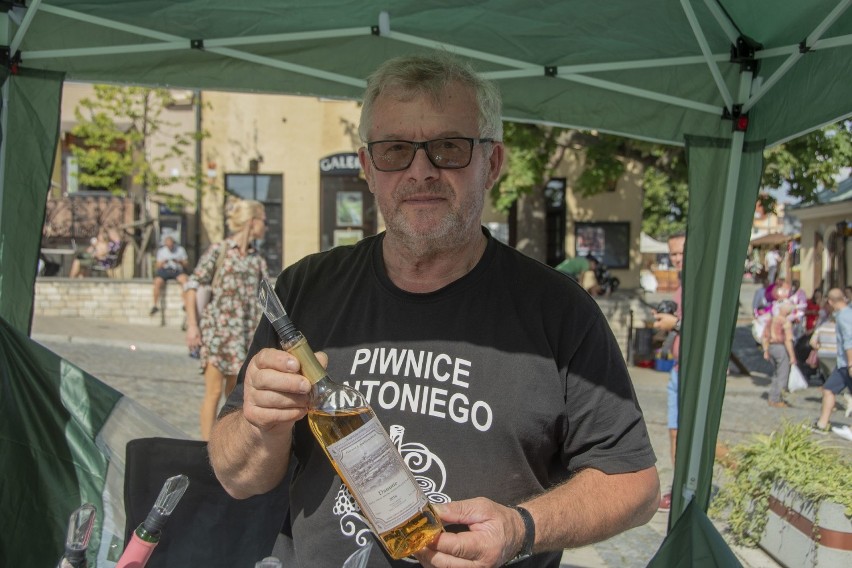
x=208 y=527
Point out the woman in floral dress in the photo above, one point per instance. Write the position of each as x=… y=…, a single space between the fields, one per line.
x=223 y=331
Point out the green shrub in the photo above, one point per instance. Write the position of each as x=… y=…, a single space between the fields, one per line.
x=792 y=455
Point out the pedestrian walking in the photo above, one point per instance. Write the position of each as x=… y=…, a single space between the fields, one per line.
x=839 y=379
x=778 y=350
x=222 y=332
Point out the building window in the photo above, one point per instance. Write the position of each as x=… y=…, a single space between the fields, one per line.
x=609 y=242
x=554 y=208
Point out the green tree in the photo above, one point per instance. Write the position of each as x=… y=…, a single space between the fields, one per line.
x=804 y=165
x=532 y=153
x=116 y=129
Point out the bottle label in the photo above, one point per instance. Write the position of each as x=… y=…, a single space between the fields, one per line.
x=375 y=472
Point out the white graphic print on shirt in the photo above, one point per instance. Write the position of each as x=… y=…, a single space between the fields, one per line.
x=422 y=464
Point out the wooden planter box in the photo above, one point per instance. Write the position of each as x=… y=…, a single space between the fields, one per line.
x=794 y=541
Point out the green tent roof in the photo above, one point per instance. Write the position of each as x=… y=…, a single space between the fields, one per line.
x=654 y=70
x=681 y=72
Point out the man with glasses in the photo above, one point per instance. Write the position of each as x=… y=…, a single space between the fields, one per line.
x=498 y=378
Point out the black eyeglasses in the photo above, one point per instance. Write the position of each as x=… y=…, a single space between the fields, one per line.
x=444 y=153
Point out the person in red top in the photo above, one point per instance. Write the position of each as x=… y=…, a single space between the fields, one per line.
x=814 y=312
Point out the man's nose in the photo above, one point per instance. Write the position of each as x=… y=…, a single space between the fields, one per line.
x=421 y=166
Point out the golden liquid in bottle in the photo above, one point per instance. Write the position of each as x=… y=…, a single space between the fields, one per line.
x=408 y=537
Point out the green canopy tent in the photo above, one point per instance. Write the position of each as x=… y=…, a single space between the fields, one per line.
x=724 y=78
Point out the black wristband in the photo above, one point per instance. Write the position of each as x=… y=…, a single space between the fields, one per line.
x=529 y=536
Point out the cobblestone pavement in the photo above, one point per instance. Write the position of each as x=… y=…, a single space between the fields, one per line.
x=166 y=382
x=150 y=364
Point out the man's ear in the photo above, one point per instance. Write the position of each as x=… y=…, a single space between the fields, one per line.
x=367 y=166
x=495 y=163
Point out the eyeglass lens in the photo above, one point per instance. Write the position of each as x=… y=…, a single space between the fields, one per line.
x=447 y=153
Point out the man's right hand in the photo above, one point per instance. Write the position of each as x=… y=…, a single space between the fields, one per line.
x=275 y=394
x=250 y=449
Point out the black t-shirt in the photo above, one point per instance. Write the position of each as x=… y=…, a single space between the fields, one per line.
x=501 y=385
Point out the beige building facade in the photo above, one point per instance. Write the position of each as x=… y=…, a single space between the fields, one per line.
x=298 y=156
x=826 y=241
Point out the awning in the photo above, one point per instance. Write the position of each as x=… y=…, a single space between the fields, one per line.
x=770 y=239
x=650 y=245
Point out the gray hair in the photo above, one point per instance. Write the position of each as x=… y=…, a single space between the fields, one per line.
x=409 y=76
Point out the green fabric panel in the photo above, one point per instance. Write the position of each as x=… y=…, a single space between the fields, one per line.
x=552 y=35
x=694 y=543
x=32 y=122
x=806 y=96
x=708 y=287
x=50 y=414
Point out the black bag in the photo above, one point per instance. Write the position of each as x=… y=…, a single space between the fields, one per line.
x=208 y=527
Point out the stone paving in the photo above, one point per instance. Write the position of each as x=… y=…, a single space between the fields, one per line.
x=151 y=365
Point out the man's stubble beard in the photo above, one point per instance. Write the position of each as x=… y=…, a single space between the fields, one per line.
x=446 y=233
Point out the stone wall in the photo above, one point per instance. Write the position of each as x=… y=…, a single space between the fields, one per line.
x=129 y=301
x=126 y=301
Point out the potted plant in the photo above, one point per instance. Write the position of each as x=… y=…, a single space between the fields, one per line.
x=791 y=494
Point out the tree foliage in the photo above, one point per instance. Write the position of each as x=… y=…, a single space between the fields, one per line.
x=532 y=153
x=808 y=164
x=121 y=134
x=804 y=166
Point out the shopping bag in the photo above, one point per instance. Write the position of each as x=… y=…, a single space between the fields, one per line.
x=796 y=381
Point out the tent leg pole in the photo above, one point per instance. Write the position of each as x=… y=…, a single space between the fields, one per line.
x=722 y=252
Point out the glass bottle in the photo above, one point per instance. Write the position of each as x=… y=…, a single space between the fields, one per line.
x=358 y=447
x=147 y=535
x=77 y=541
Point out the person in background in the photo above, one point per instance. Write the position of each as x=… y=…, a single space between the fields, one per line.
x=531 y=405
x=670 y=323
x=815 y=312
x=777 y=290
x=839 y=379
x=573 y=267
x=778 y=350
x=771 y=263
x=101 y=254
x=799 y=300
x=759 y=303
x=647 y=279
x=824 y=342
x=589 y=279
x=224 y=330
x=171 y=265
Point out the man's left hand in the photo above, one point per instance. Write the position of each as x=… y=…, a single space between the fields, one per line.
x=495 y=535
x=664 y=322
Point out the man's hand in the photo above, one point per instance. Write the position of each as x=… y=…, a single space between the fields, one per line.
x=495 y=536
x=664 y=322
x=250 y=448
x=275 y=394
